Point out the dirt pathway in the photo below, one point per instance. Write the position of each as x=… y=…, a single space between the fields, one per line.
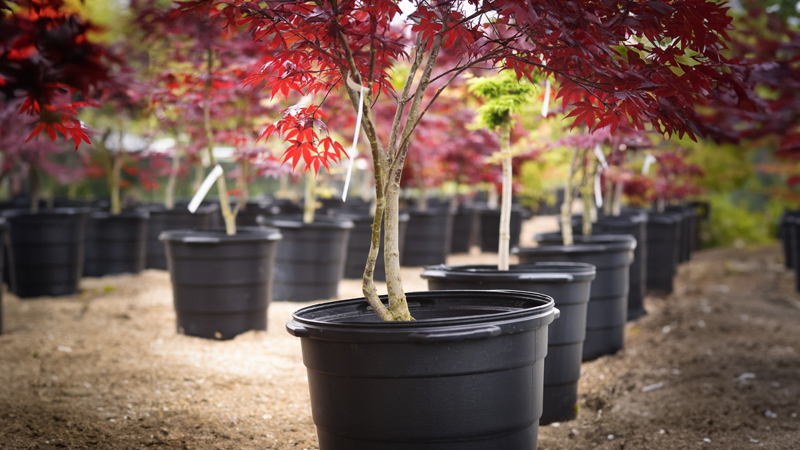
x=716 y=365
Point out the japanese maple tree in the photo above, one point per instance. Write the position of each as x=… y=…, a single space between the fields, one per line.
x=48 y=60
x=618 y=63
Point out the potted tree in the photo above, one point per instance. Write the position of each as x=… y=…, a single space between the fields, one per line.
x=567 y=283
x=372 y=369
x=221 y=278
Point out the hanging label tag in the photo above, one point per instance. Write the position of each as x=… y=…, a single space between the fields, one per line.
x=648 y=160
x=598 y=190
x=212 y=176
x=546 y=105
x=353 y=151
x=598 y=152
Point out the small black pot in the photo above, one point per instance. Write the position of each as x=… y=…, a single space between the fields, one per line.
x=785 y=234
x=664 y=246
x=115 y=243
x=310 y=259
x=635 y=224
x=467 y=374
x=612 y=255
x=221 y=285
x=360 y=241
x=466 y=229
x=793 y=230
x=490 y=228
x=46 y=251
x=569 y=285
x=162 y=219
x=428 y=237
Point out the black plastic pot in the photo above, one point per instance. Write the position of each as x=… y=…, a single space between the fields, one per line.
x=248 y=216
x=688 y=226
x=793 y=230
x=466 y=229
x=310 y=259
x=569 y=285
x=46 y=250
x=221 y=285
x=428 y=237
x=490 y=228
x=635 y=224
x=785 y=234
x=162 y=219
x=612 y=255
x=664 y=246
x=360 y=240
x=115 y=243
x=465 y=375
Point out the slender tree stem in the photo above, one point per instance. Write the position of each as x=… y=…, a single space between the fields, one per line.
x=566 y=207
x=36 y=188
x=505 y=207
x=309 y=197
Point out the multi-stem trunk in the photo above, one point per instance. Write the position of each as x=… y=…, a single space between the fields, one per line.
x=566 y=207
x=505 y=207
x=222 y=185
x=309 y=197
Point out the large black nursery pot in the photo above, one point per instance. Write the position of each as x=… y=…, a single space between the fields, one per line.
x=633 y=222
x=467 y=374
x=115 y=243
x=688 y=226
x=360 y=240
x=162 y=219
x=612 y=255
x=248 y=216
x=466 y=229
x=428 y=237
x=664 y=246
x=569 y=285
x=490 y=227
x=310 y=258
x=47 y=249
x=221 y=285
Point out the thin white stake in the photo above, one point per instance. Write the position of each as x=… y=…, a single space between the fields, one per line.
x=598 y=191
x=546 y=105
x=353 y=150
x=648 y=160
x=212 y=176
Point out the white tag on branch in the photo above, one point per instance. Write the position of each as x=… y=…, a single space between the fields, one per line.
x=648 y=160
x=598 y=190
x=546 y=105
x=215 y=173
x=353 y=151
x=598 y=152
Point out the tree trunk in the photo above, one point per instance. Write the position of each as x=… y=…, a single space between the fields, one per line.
x=616 y=207
x=505 y=209
x=309 y=197
x=169 y=199
x=222 y=185
x=391 y=252
x=36 y=188
x=116 y=178
x=566 y=207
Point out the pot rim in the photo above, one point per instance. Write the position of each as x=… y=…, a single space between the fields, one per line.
x=179 y=209
x=296 y=222
x=65 y=211
x=402 y=216
x=127 y=214
x=329 y=321
x=599 y=243
x=553 y=272
x=218 y=235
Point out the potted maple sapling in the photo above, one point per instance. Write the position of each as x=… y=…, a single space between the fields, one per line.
x=568 y=283
x=610 y=218
x=467 y=372
x=55 y=72
x=612 y=255
x=221 y=278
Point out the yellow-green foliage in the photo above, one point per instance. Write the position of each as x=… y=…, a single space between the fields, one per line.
x=503 y=95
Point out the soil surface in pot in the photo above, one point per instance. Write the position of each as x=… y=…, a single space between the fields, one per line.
x=717 y=360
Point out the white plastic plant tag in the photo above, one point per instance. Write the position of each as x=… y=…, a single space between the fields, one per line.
x=212 y=176
x=353 y=151
x=600 y=156
x=648 y=160
x=546 y=105
x=598 y=190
